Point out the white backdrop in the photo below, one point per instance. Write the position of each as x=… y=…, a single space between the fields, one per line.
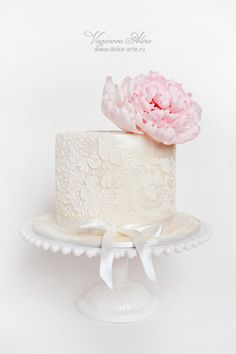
x=51 y=80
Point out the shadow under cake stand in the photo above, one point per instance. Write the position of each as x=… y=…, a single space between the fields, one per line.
x=128 y=301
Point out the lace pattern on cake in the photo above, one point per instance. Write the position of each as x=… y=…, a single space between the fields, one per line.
x=99 y=178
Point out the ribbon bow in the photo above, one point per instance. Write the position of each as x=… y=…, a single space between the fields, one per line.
x=135 y=232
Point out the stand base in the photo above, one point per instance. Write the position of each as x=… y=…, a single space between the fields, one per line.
x=125 y=303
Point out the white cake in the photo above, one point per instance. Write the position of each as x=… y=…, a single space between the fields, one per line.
x=115 y=190
x=117 y=177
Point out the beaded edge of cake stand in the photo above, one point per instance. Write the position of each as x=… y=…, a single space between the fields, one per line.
x=65 y=248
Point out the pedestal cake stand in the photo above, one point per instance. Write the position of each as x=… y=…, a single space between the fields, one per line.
x=128 y=301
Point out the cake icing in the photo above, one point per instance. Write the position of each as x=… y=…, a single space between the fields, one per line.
x=117 y=177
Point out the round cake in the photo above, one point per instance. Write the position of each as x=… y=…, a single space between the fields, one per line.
x=116 y=189
x=120 y=178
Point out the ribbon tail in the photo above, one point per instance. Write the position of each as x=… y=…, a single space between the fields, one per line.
x=144 y=254
x=107 y=257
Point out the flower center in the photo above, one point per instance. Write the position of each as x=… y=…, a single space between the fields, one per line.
x=155 y=104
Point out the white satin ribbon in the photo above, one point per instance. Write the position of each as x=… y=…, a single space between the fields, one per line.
x=135 y=232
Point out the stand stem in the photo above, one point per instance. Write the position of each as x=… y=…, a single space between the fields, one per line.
x=126 y=302
x=120 y=271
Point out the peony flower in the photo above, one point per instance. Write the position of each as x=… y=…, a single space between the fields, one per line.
x=150 y=104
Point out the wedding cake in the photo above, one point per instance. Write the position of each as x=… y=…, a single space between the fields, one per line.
x=115 y=190
x=128 y=176
x=115 y=193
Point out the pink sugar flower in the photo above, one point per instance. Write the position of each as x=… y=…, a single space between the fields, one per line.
x=150 y=104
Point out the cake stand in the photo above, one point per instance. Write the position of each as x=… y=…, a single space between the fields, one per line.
x=128 y=301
